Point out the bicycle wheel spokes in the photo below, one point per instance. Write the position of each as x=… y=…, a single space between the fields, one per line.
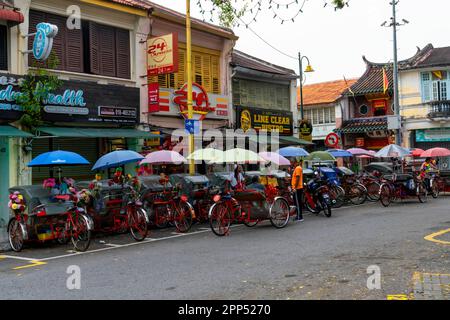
x=220 y=219
x=137 y=223
x=80 y=233
x=183 y=216
x=279 y=213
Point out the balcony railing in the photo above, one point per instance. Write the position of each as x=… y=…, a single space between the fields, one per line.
x=439 y=109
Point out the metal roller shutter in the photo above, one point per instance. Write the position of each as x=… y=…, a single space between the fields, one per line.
x=88 y=148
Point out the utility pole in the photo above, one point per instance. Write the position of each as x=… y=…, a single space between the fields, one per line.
x=189 y=82
x=398 y=134
x=301 y=85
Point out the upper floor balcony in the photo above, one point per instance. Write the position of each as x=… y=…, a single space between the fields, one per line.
x=439 y=110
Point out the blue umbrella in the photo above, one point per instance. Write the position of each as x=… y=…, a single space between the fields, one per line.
x=293 y=152
x=338 y=153
x=58 y=159
x=116 y=159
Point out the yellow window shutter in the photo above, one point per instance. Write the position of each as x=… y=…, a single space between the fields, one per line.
x=197 y=68
x=206 y=72
x=215 y=74
x=181 y=78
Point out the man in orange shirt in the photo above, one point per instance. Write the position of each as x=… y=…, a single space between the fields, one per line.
x=297 y=188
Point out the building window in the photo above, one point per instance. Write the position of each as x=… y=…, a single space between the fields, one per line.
x=434 y=85
x=205 y=72
x=94 y=48
x=363 y=109
x=3 y=48
x=319 y=116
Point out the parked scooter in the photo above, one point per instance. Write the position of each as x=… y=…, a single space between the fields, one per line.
x=317 y=196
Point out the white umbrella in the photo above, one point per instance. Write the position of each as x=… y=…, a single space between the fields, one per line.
x=208 y=154
x=392 y=151
x=238 y=156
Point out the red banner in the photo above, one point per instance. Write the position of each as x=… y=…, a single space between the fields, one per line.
x=153 y=97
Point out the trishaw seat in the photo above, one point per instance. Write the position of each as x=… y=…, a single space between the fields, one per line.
x=249 y=195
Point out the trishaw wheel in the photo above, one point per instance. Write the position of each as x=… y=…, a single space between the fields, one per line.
x=138 y=223
x=385 y=195
x=80 y=233
x=220 y=219
x=358 y=194
x=337 y=195
x=183 y=216
x=251 y=223
x=15 y=235
x=422 y=193
x=373 y=191
x=279 y=213
x=434 y=189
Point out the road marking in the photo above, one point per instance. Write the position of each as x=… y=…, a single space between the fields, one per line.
x=19 y=258
x=113 y=245
x=34 y=263
x=432 y=237
x=398 y=297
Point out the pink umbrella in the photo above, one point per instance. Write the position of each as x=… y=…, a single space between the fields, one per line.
x=275 y=158
x=358 y=152
x=164 y=157
x=417 y=152
x=364 y=156
x=436 y=152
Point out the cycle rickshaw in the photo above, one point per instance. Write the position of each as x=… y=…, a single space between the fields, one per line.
x=38 y=216
x=164 y=205
x=116 y=208
x=246 y=206
x=400 y=187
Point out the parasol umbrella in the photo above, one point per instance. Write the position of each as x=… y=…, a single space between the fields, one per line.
x=358 y=151
x=338 y=153
x=164 y=157
x=293 y=152
x=238 y=155
x=208 y=154
x=416 y=152
x=116 y=159
x=275 y=158
x=58 y=159
x=320 y=156
x=436 y=152
x=392 y=151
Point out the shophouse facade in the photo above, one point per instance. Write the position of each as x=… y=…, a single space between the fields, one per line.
x=264 y=97
x=425 y=100
x=97 y=107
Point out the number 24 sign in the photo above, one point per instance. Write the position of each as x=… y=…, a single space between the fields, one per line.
x=162 y=54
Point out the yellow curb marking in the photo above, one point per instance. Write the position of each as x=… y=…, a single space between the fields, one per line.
x=432 y=237
x=2 y=257
x=34 y=263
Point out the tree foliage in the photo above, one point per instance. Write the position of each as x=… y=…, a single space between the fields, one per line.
x=228 y=14
x=37 y=84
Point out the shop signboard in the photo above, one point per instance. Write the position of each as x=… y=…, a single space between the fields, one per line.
x=153 y=97
x=433 y=135
x=360 y=142
x=264 y=120
x=162 y=54
x=200 y=102
x=75 y=101
x=306 y=130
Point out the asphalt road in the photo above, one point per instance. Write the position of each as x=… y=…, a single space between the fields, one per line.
x=319 y=258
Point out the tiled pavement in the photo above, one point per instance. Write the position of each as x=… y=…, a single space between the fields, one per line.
x=430 y=286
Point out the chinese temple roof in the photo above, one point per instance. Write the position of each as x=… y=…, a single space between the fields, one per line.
x=361 y=125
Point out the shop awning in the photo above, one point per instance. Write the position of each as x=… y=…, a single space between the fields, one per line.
x=97 y=133
x=295 y=141
x=9 y=131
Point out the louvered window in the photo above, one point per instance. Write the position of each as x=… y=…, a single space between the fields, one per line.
x=94 y=48
x=205 y=72
x=3 y=48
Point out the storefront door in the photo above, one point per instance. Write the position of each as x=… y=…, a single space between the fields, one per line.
x=4 y=182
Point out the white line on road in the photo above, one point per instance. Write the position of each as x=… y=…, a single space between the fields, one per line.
x=18 y=258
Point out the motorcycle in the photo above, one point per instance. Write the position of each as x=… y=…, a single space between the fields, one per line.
x=317 y=196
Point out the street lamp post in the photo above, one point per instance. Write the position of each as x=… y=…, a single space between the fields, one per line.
x=308 y=69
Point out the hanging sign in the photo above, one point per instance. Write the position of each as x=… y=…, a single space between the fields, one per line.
x=153 y=97
x=162 y=54
x=305 y=130
x=200 y=102
x=43 y=40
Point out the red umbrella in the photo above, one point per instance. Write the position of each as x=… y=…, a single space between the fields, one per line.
x=436 y=152
x=417 y=152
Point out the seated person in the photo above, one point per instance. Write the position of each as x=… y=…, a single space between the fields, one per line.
x=256 y=185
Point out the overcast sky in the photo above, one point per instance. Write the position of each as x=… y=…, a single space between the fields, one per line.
x=335 y=41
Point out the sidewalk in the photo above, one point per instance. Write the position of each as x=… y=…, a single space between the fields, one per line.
x=431 y=286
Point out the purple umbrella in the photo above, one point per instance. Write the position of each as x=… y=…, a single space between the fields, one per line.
x=275 y=158
x=164 y=157
x=359 y=152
